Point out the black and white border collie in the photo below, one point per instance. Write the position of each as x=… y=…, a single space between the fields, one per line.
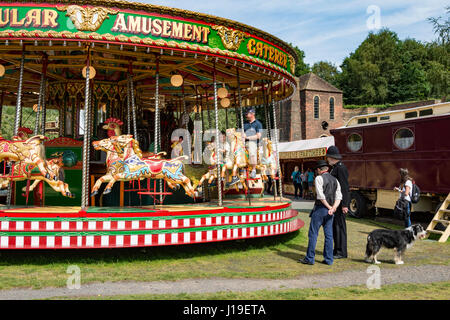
x=399 y=240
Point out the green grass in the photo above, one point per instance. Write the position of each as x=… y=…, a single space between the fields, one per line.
x=269 y=258
x=431 y=291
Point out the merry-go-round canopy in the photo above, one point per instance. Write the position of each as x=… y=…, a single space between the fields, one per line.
x=121 y=37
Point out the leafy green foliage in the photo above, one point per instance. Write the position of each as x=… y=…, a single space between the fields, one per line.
x=384 y=70
x=301 y=67
x=28 y=120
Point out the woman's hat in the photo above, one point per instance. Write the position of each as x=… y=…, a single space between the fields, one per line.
x=333 y=152
x=320 y=164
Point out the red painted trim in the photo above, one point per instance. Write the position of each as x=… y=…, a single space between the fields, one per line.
x=159 y=213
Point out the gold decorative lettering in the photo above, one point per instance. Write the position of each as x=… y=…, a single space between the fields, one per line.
x=197 y=33
x=119 y=24
x=49 y=18
x=134 y=24
x=251 y=46
x=4 y=17
x=146 y=25
x=166 y=28
x=156 y=27
x=33 y=17
x=177 y=30
x=14 y=17
x=187 y=34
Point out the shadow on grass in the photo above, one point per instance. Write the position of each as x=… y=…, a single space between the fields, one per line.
x=94 y=256
x=300 y=252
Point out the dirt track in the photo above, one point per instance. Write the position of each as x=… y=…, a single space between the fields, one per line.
x=400 y=274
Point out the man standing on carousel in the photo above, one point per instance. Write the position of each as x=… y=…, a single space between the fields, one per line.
x=252 y=133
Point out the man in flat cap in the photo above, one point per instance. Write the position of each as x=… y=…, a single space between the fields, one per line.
x=328 y=198
x=339 y=171
x=252 y=132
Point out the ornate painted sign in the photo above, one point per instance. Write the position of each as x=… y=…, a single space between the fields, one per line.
x=80 y=22
x=303 y=154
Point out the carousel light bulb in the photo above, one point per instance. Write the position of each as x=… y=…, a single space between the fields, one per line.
x=176 y=80
x=92 y=72
x=2 y=70
x=225 y=102
x=222 y=93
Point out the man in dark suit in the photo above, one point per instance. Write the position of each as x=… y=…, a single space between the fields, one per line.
x=339 y=171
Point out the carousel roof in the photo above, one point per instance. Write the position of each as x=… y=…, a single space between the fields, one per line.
x=121 y=38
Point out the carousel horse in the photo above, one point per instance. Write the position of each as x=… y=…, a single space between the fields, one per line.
x=124 y=162
x=27 y=152
x=238 y=156
x=112 y=126
x=23 y=133
x=211 y=175
x=267 y=160
x=24 y=172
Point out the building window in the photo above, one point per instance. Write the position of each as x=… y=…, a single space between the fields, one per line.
x=403 y=138
x=331 y=108
x=316 y=107
x=354 y=142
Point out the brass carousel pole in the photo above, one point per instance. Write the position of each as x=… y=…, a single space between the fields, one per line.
x=187 y=124
x=242 y=128
x=218 y=160
x=44 y=93
x=275 y=126
x=19 y=95
x=86 y=145
x=128 y=105
x=1 y=107
x=18 y=117
x=133 y=104
x=41 y=93
x=157 y=125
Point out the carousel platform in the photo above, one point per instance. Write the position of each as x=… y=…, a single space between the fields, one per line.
x=120 y=227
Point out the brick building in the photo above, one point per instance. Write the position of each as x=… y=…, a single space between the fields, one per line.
x=316 y=108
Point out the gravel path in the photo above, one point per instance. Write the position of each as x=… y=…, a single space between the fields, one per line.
x=401 y=274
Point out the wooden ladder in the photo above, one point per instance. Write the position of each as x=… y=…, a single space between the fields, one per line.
x=442 y=216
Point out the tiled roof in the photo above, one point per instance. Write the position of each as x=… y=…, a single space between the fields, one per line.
x=311 y=81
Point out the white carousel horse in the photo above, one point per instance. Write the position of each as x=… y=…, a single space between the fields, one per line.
x=238 y=158
x=267 y=160
x=124 y=162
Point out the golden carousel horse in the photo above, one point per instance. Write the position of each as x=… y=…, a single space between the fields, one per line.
x=27 y=152
x=23 y=172
x=124 y=162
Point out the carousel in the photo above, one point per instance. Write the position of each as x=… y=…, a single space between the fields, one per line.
x=122 y=125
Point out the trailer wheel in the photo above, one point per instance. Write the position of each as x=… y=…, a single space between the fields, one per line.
x=358 y=206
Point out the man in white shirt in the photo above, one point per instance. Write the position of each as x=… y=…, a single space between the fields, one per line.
x=329 y=197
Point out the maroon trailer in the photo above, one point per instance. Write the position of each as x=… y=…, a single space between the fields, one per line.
x=375 y=146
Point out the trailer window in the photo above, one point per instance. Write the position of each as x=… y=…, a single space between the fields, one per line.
x=384 y=118
x=373 y=119
x=426 y=112
x=354 y=142
x=404 y=138
x=411 y=114
x=362 y=120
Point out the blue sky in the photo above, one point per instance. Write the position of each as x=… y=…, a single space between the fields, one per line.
x=323 y=29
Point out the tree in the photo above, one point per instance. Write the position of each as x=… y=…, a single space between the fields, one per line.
x=370 y=75
x=301 y=67
x=327 y=71
x=442 y=29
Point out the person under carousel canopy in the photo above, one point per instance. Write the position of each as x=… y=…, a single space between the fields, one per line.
x=252 y=133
